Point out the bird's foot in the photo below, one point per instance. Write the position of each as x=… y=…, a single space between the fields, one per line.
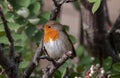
x=49 y=59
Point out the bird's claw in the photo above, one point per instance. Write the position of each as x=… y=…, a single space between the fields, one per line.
x=49 y=59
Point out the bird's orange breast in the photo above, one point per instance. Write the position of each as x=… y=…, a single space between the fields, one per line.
x=50 y=33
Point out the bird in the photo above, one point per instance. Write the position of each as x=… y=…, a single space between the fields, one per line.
x=56 y=41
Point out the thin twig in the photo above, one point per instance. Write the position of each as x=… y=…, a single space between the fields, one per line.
x=48 y=58
x=56 y=8
x=81 y=26
x=55 y=3
x=8 y=34
x=62 y=2
x=34 y=62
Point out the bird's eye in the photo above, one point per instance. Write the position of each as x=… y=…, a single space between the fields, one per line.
x=49 y=26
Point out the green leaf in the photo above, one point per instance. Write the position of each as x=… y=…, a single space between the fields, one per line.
x=1 y=28
x=30 y=30
x=4 y=7
x=9 y=16
x=18 y=49
x=57 y=74
x=79 y=51
x=34 y=21
x=34 y=8
x=73 y=39
x=32 y=1
x=116 y=67
x=24 y=64
x=45 y=15
x=2 y=33
x=96 y=5
x=66 y=28
x=20 y=39
x=63 y=73
x=91 y=1
x=13 y=26
x=38 y=35
x=80 y=68
x=107 y=63
x=86 y=61
x=24 y=12
x=22 y=21
x=23 y=3
x=2 y=76
x=4 y=40
x=73 y=74
x=115 y=76
x=1 y=1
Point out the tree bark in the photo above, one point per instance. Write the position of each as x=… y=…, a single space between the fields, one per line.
x=96 y=33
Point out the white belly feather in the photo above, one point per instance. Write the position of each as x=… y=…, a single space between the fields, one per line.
x=57 y=48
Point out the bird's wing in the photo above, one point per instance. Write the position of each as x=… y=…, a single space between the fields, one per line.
x=73 y=49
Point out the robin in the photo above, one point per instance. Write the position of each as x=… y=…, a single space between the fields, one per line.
x=56 y=40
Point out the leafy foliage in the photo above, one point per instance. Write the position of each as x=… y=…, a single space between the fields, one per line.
x=23 y=17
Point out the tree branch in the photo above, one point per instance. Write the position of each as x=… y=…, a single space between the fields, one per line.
x=8 y=34
x=97 y=41
x=48 y=72
x=34 y=62
x=86 y=4
x=81 y=26
x=9 y=66
x=56 y=8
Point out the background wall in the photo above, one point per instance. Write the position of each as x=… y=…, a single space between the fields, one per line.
x=70 y=16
